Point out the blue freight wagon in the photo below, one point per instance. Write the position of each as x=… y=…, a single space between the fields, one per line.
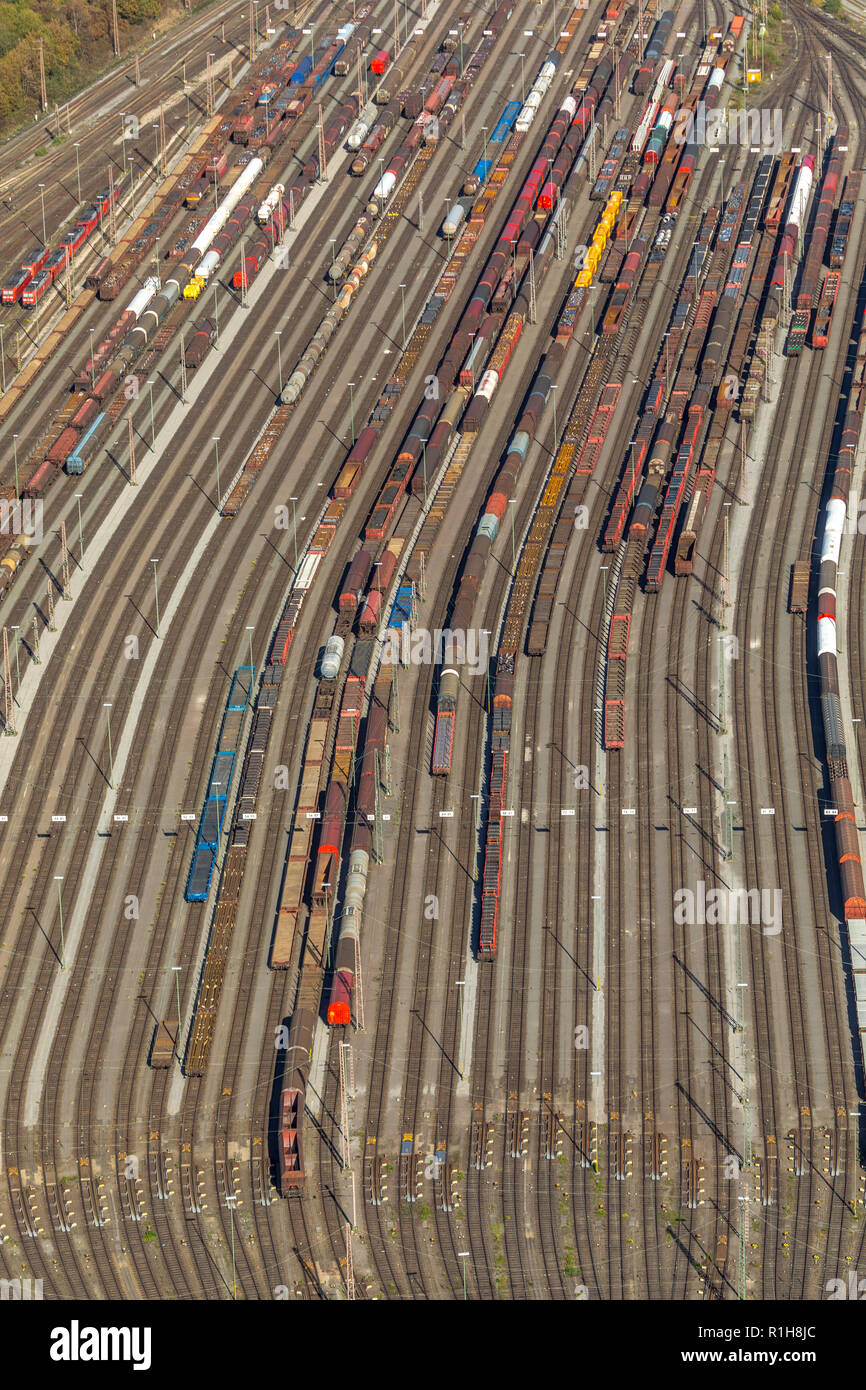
x=77 y=461
x=221 y=773
x=401 y=611
x=241 y=688
x=505 y=122
x=301 y=71
x=200 y=874
x=211 y=822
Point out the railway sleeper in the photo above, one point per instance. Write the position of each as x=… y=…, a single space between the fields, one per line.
x=264 y=1191
x=481 y=1144
x=33 y=1204
x=835 y=1143
x=102 y=1200
x=551 y=1135
x=133 y=1187
x=412 y=1177
x=166 y=1175
x=621 y=1156
x=445 y=1181
x=800 y=1159
x=655 y=1156
x=26 y=1218
x=693 y=1182
x=587 y=1143
x=769 y=1169
x=61 y=1207
x=518 y=1134
x=375 y=1187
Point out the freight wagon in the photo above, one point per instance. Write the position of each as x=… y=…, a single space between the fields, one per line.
x=824 y=312
x=78 y=459
x=96 y=276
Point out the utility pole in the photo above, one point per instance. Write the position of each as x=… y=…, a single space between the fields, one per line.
x=42 y=87
x=533 y=310
x=323 y=159
x=231 y=1199
x=137 y=71
x=115 y=28
x=106 y=705
x=209 y=82
x=350 y=1269
x=66 y=594
x=37 y=660
x=252 y=35
x=59 y=881
x=132 y=478
x=344 y=1112
x=378 y=835
x=725 y=570
x=112 y=221
x=420 y=211
x=52 y=626
x=8 y=703
x=176 y=969
x=359 y=989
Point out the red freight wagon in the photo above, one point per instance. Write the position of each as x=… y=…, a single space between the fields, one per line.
x=104 y=384
x=63 y=445
x=369 y=625
x=380 y=62
x=85 y=413
x=42 y=479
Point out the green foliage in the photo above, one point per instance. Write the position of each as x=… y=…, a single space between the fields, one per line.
x=76 y=43
x=833 y=7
